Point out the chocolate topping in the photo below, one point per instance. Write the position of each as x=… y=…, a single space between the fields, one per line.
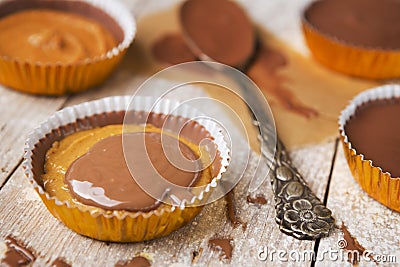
x=219 y=29
x=371 y=23
x=224 y=245
x=16 y=254
x=373 y=132
x=59 y=263
x=101 y=177
x=135 y=262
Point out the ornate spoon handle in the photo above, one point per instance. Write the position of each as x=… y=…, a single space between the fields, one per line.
x=299 y=212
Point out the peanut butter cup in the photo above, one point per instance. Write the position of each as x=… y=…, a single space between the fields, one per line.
x=373 y=131
x=59 y=47
x=369 y=127
x=76 y=164
x=356 y=37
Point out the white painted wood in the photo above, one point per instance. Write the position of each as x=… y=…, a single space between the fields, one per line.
x=375 y=226
x=19 y=114
x=23 y=215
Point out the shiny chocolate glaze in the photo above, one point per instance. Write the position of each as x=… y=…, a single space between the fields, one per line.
x=102 y=178
x=373 y=131
x=365 y=23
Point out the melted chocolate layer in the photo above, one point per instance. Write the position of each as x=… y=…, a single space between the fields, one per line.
x=373 y=131
x=367 y=23
x=102 y=178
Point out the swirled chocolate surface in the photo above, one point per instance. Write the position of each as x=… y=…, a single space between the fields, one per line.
x=101 y=177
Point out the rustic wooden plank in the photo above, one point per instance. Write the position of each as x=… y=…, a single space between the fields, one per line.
x=375 y=226
x=19 y=114
x=23 y=215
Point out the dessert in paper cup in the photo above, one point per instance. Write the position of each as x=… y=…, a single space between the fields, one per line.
x=79 y=161
x=56 y=47
x=369 y=128
x=355 y=37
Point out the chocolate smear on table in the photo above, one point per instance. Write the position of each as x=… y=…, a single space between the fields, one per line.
x=352 y=245
x=16 y=254
x=259 y=199
x=223 y=245
x=231 y=209
x=138 y=261
x=59 y=263
x=172 y=49
x=265 y=71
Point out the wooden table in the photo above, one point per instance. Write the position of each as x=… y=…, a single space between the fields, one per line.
x=323 y=165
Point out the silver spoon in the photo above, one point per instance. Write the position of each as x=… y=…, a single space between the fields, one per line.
x=212 y=30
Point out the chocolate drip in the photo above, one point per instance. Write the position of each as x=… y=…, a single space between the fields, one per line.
x=258 y=199
x=16 y=254
x=223 y=244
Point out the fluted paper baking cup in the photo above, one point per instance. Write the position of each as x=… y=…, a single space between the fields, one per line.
x=378 y=184
x=350 y=59
x=117 y=225
x=58 y=78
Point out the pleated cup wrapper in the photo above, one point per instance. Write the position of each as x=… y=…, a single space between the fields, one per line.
x=120 y=225
x=378 y=184
x=43 y=78
x=347 y=58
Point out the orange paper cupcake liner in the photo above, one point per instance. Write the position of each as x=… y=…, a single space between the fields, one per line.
x=378 y=184
x=350 y=59
x=117 y=225
x=60 y=79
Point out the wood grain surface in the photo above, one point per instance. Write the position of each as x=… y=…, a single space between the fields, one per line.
x=24 y=216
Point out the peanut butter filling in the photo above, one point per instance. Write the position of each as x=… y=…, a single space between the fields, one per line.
x=88 y=168
x=50 y=36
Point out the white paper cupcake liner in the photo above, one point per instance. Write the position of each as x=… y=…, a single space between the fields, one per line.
x=378 y=184
x=72 y=114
